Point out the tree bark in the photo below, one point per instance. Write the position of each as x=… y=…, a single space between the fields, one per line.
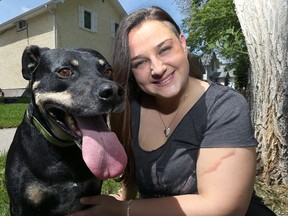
x=265 y=26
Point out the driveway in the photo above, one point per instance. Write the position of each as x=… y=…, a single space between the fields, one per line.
x=6 y=137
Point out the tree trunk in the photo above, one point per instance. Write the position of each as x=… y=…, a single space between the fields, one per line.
x=265 y=26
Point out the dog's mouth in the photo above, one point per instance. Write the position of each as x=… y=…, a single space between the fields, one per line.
x=102 y=152
x=66 y=122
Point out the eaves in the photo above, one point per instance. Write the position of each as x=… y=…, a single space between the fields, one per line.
x=30 y=14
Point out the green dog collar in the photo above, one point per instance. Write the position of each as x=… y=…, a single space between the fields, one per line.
x=48 y=136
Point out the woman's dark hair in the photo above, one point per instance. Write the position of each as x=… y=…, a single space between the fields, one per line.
x=120 y=122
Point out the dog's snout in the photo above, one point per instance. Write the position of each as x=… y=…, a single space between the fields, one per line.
x=110 y=92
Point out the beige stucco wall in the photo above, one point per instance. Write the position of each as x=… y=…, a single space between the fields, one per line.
x=12 y=44
x=71 y=35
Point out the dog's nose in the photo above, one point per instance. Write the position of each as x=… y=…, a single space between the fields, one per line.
x=110 y=92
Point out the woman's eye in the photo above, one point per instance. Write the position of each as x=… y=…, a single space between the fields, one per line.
x=138 y=63
x=165 y=49
x=65 y=73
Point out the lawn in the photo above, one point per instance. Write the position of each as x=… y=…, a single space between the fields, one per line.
x=11 y=114
x=4 y=204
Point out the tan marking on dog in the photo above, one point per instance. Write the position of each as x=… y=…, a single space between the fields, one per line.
x=36 y=192
x=64 y=98
x=35 y=85
x=74 y=62
x=31 y=65
x=102 y=62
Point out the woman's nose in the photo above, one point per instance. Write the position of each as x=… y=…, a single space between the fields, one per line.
x=158 y=68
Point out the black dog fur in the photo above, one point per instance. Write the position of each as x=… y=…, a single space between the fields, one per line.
x=43 y=178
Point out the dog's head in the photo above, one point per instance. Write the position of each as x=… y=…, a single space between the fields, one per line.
x=70 y=82
x=72 y=88
x=73 y=80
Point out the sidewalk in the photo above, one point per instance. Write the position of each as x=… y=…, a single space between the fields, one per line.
x=6 y=137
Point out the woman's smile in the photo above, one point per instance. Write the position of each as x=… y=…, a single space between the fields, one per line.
x=165 y=80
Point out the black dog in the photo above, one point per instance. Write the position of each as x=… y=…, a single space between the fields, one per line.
x=46 y=170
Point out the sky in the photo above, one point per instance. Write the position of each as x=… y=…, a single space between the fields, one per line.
x=12 y=8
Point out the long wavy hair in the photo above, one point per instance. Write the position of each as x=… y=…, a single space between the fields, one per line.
x=121 y=122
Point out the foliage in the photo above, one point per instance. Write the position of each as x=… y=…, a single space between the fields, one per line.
x=212 y=25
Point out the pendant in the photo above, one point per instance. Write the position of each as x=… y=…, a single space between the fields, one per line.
x=167 y=132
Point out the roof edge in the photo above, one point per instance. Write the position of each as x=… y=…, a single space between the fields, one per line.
x=29 y=14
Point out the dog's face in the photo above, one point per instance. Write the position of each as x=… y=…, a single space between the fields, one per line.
x=68 y=83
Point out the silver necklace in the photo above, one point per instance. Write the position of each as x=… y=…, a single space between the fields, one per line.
x=168 y=129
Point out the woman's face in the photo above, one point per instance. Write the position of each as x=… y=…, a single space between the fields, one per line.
x=158 y=59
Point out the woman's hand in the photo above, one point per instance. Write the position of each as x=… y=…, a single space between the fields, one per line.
x=101 y=205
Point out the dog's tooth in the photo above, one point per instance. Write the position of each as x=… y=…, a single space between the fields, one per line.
x=70 y=120
x=78 y=133
x=52 y=114
x=75 y=129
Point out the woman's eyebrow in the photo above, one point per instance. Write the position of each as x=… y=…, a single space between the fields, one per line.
x=136 y=57
x=163 y=42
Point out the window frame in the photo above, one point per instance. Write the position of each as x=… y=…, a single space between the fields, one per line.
x=114 y=27
x=94 y=19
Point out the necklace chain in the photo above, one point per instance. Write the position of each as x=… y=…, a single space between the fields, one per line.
x=168 y=129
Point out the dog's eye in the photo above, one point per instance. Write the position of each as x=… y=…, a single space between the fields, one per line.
x=64 y=73
x=108 y=74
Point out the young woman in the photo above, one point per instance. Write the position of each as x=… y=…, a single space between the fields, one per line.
x=190 y=143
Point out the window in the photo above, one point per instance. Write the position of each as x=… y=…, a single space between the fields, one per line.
x=87 y=19
x=114 y=27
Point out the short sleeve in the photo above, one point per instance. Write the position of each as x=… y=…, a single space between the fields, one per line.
x=228 y=121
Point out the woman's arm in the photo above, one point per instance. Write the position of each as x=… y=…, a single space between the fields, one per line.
x=225 y=183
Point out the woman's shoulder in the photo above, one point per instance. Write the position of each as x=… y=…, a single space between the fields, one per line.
x=225 y=95
x=221 y=90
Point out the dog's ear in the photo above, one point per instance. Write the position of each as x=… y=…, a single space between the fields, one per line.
x=30 y=59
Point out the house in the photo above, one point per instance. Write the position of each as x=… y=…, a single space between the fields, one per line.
x=55 y=24
x=217 y=72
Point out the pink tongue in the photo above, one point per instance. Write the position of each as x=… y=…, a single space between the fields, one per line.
x=102 y=152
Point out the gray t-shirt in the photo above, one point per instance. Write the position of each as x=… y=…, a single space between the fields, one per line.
x=220 y=118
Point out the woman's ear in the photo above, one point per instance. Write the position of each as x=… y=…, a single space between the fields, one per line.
x=183 y=43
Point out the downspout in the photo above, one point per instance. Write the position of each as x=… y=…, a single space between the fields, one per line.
x=54 y=25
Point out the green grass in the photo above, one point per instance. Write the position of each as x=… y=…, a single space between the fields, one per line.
x=4 y=203
x=11 y=114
